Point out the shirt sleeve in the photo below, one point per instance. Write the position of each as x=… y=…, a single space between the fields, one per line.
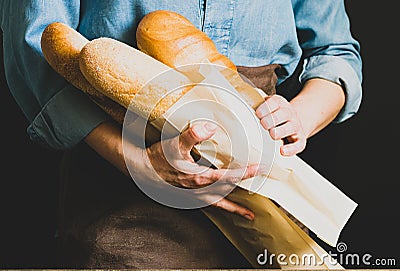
x=60 y=115
x=329 y=49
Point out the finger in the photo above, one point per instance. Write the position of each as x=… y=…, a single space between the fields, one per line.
x=192 y=175
x=233 y=207
x=236 y=175
x=230 y=176
x=276 y=118
x=218 y=188
x=271 y=104
x=264 y=109
x=196 y=133
x=293 y=148
x=188 y=167
x=285 y=130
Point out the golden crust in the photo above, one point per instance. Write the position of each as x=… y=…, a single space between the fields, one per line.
x=131 y=78
x=172 y=39
x=175 y=41
x=61 y=46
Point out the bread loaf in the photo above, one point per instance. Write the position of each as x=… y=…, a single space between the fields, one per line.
x=61 y=46
x=172 y=39
x=131 y=77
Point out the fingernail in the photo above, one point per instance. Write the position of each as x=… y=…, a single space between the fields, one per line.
x=269 y=123
x=285 y=151
x=248 y=217
x=211 y=127
x=261 y=111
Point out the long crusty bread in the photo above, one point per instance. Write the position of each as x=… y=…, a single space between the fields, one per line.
x=132 y=78
x=61 y=46
x=174 y=40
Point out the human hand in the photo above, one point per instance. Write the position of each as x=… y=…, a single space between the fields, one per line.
x=172 y=161
x=280 y=118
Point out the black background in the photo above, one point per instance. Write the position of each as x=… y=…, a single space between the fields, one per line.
x=359 y=156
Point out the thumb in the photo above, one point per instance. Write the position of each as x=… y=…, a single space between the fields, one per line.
x=196 y=133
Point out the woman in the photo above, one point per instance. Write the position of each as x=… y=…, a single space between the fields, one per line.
x=105 y=221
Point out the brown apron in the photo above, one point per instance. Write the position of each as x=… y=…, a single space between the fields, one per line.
x=263 y=77
x=107 y=222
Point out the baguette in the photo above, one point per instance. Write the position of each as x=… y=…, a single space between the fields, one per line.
x=61 y=46
x=175 y=41
x=132 y=78
x=172 y=39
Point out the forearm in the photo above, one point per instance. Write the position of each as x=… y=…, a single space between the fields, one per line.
x=106 y=140
x=317 y=105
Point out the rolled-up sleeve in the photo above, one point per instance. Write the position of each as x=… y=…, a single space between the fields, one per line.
x=65 y=120
x=329 y=50
x=60 y=115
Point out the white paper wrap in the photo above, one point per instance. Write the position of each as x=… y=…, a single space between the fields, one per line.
x=241 y=140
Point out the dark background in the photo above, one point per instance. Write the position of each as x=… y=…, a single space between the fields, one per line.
x=359 y=156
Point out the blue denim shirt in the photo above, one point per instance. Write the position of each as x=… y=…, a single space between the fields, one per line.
x=249 y=32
